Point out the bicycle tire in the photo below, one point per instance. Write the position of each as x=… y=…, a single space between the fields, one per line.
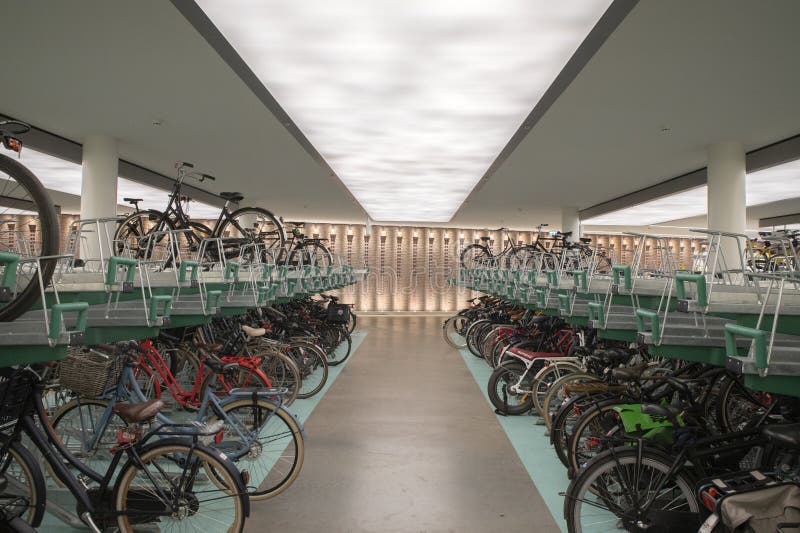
x=26 y=293
x=505 y=375
x=450 y=324
x=283 y=434
x=352 y=321
x=302 y=253
x=473 y=253
x=282 y=372
x=278 y=235
x=33 y=482
x=339 y=359
x=315 y=361
x=126 y=489
x=585 y=481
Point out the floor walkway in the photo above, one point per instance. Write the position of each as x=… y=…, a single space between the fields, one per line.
x=404 y=441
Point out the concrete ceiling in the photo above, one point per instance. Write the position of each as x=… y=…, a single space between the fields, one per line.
x=113 y=67
x=707 y=71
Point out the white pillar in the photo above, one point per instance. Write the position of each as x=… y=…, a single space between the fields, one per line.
x=98 y=192
x=570 y=221
x=726 y=195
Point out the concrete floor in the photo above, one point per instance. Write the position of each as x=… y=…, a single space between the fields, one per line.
x=404 y=441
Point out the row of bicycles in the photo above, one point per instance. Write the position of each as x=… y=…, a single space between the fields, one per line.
x=654 y=434
x=151 y=388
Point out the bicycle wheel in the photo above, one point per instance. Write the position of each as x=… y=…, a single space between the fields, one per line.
x=23 y=488
x=253 y=224
x=503 y=399
x=738 y=407
x=352 y=320
x=545 y=378
x=450 y=331
x=557 y=393
x=597 y=421
x=475 y=255
x=165 y=488
x=609 y=493
x=342 y=348
x=241 y=378
x=282 y=372
x=311 y=253
x=313 y=365
x=78 y=423
x=274 y=451
x=23 y=193
x=131 y=230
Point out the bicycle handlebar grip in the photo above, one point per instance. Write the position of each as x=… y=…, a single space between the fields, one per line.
x=209 y=177
x=183 y=164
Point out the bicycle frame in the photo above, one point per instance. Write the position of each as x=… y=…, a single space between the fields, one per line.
x=152 y=360
x=56 y=453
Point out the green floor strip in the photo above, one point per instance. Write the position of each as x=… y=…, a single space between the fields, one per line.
x=301 y=408
x=532 y=446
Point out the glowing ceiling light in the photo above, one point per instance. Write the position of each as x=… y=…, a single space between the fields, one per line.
x=408 y=102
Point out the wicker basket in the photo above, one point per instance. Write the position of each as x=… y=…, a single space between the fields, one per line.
x=88 y=373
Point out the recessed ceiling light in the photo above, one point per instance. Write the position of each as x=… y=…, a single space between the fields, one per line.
x=408 y=102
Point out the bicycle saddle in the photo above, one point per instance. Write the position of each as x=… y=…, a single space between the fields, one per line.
x=486 y=239
x=666 y=411
x=133 y=201
x=566 y=234
x=218 y=366
x=254 y=332
x=784 y=435
x=585 y=240
x=629 y=373
x=232 y=196
x=138 y=412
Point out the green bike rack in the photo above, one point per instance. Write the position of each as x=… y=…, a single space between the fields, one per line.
x=231 y=271
x=579 y=280
x=213 y=299
x=596 y=312
x=758 y=336
x=114 y=262
x=10 y=262
x=652 y=317
x=166 y=300
x=565 y=303
x=682 y=278
x=541 y=299
x=552 y=278
x=190 y=268
x=57 y=317
x=625 y=272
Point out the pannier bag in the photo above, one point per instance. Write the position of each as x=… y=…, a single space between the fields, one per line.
x=338 y=313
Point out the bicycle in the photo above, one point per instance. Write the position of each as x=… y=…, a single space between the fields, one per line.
x=236 y=228
x=299 y=250
x=21 y=190
x=511 y=256
x=159 y=481
x=255 y=429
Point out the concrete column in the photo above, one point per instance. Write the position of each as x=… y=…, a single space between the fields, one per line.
x=571 y=222
x=726 y=196
x=98 y=193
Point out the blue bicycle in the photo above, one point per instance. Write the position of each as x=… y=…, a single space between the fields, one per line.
x=252 y=428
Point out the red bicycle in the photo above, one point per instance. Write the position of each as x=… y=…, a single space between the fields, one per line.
x=154 y=376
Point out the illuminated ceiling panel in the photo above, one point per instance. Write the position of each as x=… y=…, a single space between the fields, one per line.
x=409 y=102
x=780 y=182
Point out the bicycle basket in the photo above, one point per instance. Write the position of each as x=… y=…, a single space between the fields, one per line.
x=88 y=373
x=338 y=313
x=15 y=387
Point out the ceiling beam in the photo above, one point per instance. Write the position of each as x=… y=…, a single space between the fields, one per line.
x=601 y=31
x=759 y=159
x=779 y=220
x=69 y=150
x=206 y=28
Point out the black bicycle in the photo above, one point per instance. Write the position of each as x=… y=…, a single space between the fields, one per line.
x=512 y=256
x=22 y=192
x=302 y=250
x=235 y=229
x=169 y=482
